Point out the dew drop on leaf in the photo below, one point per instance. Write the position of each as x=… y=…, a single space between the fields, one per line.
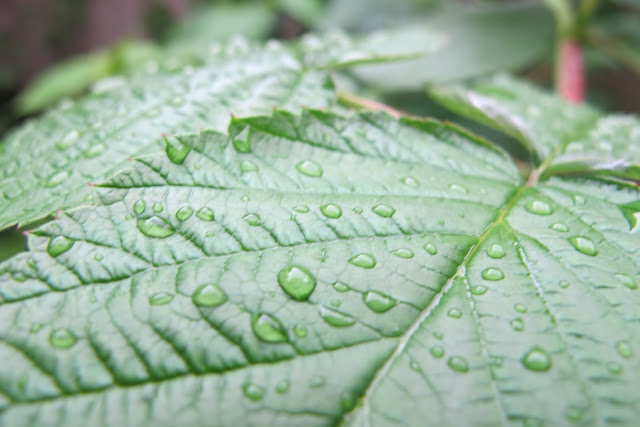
x=378 y=301
x=205 y=214
x=348 y=401
x=309 y=168
x=157 y=207
x=496 y=251
x=536 y=359
x=358 y=210
x=268 y=328
x=520 y=308
x=363 y=260
x=59 y=245
x=209 y=295
x=563 y=228
x=331 y=211
x=563 y=284
x=458 y=364
x=155 y=227
x=282 y=387
x=95 y=150
x=301 y=209
x=335 y=318
x=184 y=213
x=584 y=245
x=627 y=281
x=57 y=179
x=492 y=273
x=340 y=287
x=384 y=211
x=403 y=253
x=437 y=351
x=538 y=207
x=247 y=166
x=252 y=219
x=253 y=392
x=478 y=290
x=624 y=349
x=300 y=330
x=297 y=282
x=62 y=338
x=410 y=181
x=98 y=257
x=139 y=206
x=614 y=368
x=431 y=248
x=160 y=298
x=415 y=365
x=517 y=325
x=177 y=152
x=454 y=313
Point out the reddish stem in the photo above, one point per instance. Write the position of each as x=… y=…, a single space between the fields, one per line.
x=571 y=76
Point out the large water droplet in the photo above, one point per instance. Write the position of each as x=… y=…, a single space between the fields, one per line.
x=538 y=207
x=297 y=282
x=584 y=245
x=431 y=248
x=492 y=273
x=437 y=351
x=455 y=313
x=309 y=168
x=384 y=211
x=253 y=392
x=496 y=251
x=479 y=290
x=378 y=301
x=403 y=253
x=57 y=179
x=335 y=318
x=59 y=245
x=562 y=228
x=205 y=214
x=331 y=211
x=363 y=260
x=252 y=219
x=155 y=227
x=177 y=151
x=340 y=287
x=517 y=324
x=247 y=166
x=458 y=364
x=160 y=298
x=139 y=207
x=268 y=328
x=62 y=338
x=209 y=295
x=536 y=359
x=624 y=349
x=410 y=181
x=184 y=213
x=627 y=281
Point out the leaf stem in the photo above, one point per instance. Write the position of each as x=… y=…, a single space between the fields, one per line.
x=354 y=101
x=570 y=75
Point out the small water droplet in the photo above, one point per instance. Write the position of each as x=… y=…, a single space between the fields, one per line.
x=578 y=200
x=335 y=318
x=155 y=227
x=205 y=214
x=384 y=211
x=336 y=303
x=614 y=368
x=209 y=295
x=300 y=330
x=431 y=248
x=160 y=298
x=558 y=226
x=520 y=308
x=68 y=140
x=243 y=145
x=403 y=253
x=536 y=359
x=624 y=349
x=157 y=207
x=358 y=210
x=139 y=207
x=176 y=151
x=331 y=211
x=252 y=219
x=584 y=245
x=438 y=335
x=458 y=364
x=437 y=351
x=410 y=181
x=478 y=290
x=244 y=198
x=492 y=273
x=318 y=381
x=348 y=401
x=128 y=217
x=184 y=213
x=59 y=245
x=301 y=209
x=538 y=207
x=378 y=301
x=340 y=287
x=282 y=387
x=98 y=257
x=574 y=414
x=363 y=260
x=517 y=324
x=458 y=188
x=455 y=313
x=297 y=282
x=253 y=392
x=247 y=166
x=62 y=338
x=268 y=328
x=627 y=281
x=35 y=328
x=415 y=365
x=496 y=251
x=57 y=179
x=563 y=284
x=309 y=168
x=95 y=151
x=209 y=234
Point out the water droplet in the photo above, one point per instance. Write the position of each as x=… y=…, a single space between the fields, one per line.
x=95 y=151
x=57 y=179
x=184 y=213
x=300 y=330
x=98 y=257
x=584 y=245
x=496 y=251
x=403 y=253
x=563 y=228
x=347 y=401
x=438 y=335
x=244 y=198
x=627 y=281
x=335 y=318
x=176 y=151
x=520 y=308
x=455 y=313
x=578 y=200
x=297 y=282
x=209 y=234
x=318 y=381
x=160 y=298
x=331 y=211
x=205 y=214
x=128 y=217
x=363 y=260
x=458 y=188
x=309 y=168
x=358 y=210
x=378 y=301
x=35 y=328
x=492 y=273
x=624 y=349
x=155 y=227
x=517 y=324
x=336 y=303
x=429 y=247
x=253 y=391
x=340 y=287
x=139 y=207
x=68 y=140
x=415 y=365
x=252 y=219
x=478 y=290
x=614 y=368
x=247 y=166
x=157 y=207
x=62 y=338
x=209 y=295
x=301 y=209
x=384 y=211
x=242 y=145
x=59 y=245
x=268 y=328
x=538 y=207
x=574 y=414
x=536 y=359
x=410 y=181
x=282 y=387
x=437 y=351
x=458 y=364
x=563 y=284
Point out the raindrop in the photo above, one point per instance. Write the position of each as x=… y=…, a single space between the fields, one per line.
x=347 y=401
x=59 y=245
x=458 y=188
x=160 y=298
x=297 y=282
x=455 y=313
x=57 y=179
x=253 y=392
x=479 y=290
x=268 y=328
x=437 y=351
x=35 y=328
x=177 y=151
x=335 y=318
x=429 y=247
x=584 y=245
x=384 y=211
x=627 y=281
x=184 y=213
x=336 y=303
x=458 y=364
x=563 y=284
x=340 y=287
x=614 y=368
x=538 y=207
x=300 y=330
x=492 y=273
x=403 y=253
x=520 y=308
x=438 y=335
x=358 y=210
x=496 y=251
x=247 y=166
x=363 y=260
x=252 y=219
x=378 y=301
x=62 y=338
x=209 y=295
x=95 y=151
x=410 y=181
x=205 y=214
x=309 y=168
x=139 y=207
x=282 y=387
x=536 y=359
x=301 y=209
x=563 y=228
x=624 y=349
x=331 y=211
x=69 y=139
x=414 y=365
x=155 y=227
x=517 y=325
x=98 y=257
x=157 y=207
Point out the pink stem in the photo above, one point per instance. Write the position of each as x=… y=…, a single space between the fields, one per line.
x=571 y=76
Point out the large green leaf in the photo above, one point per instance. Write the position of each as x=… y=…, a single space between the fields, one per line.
x=314 y=270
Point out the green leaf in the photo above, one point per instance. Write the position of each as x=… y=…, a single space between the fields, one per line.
x=315 y=269
x=619 y=37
